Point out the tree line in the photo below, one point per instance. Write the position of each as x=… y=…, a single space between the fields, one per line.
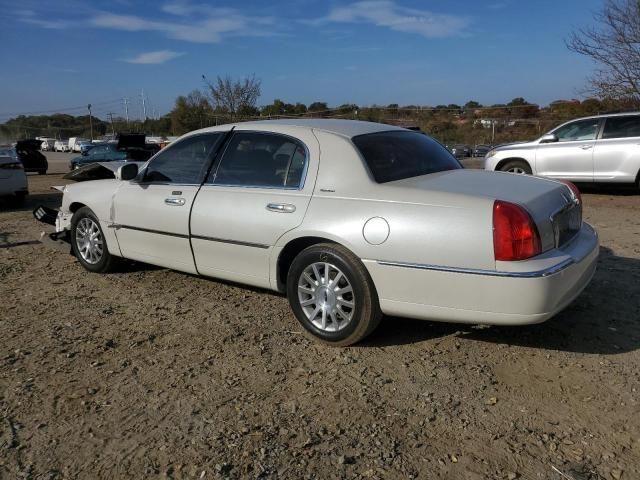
x=471 y=122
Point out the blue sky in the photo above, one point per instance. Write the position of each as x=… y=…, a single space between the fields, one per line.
x=66 y=53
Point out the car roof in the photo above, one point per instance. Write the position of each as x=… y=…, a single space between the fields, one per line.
x=345 y=128
x=604 y=115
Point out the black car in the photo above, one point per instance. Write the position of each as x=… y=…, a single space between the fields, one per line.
x=29 y=154
x=481 y=150
x=461 y=151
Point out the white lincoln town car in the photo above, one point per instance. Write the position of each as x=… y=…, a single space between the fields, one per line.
x=352 y=220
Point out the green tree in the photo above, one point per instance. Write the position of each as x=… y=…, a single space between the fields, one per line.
x=190 y=112
x=318 y=107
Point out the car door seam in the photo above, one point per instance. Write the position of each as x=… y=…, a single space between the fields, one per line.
x=212 y=161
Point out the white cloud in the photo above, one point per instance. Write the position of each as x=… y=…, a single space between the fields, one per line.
x=29 y=16
x=386 y=13
x=149 y=58
x=499 y=5
x=190 y=23
x=177 y=8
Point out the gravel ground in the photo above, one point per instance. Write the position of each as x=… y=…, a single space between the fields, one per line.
x=150 y=373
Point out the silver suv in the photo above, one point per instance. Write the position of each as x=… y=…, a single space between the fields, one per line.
x=605 y=148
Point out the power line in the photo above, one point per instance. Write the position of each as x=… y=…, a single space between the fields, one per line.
x=58 y=110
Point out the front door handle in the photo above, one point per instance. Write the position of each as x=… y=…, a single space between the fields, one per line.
x=281 y=207
x=175 y=202
x=586 y=147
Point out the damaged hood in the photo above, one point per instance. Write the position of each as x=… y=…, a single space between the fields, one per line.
x=97 y=171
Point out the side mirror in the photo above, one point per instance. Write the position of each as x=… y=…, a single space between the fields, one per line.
x=84 y=153
x=128 y=171
x=549 y=138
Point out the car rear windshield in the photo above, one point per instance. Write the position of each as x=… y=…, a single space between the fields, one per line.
x=401 y=154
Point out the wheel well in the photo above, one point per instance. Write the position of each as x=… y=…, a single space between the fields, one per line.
x=75 y=206
x=502 y=163
x=291 y=251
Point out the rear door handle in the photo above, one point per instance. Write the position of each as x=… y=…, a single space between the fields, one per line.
x=586 y=147
x=281 y=207
x=175 y=202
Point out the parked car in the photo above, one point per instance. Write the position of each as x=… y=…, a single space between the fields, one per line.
x=47 y=144
x=350 y=219
x=461 y=151
x=481 y=150
x=593 y=149
x=74 y=143
x=110 y=152
x=84 y=146
x=28 y=152
x=61 y=146
x=13 y=180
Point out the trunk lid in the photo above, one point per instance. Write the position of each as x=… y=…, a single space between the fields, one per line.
x=550 y=203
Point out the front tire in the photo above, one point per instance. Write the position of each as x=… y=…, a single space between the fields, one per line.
x=88 y=243
x=516 y=166
x=332 y=295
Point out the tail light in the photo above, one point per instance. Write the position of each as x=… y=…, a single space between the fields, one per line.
x=515 y=236
x=11 y=166
x=574 y=190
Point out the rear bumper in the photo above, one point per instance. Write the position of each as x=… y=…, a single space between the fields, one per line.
x=517 y=293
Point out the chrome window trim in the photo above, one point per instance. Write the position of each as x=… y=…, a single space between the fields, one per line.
x=303 y=177
x=474 y=271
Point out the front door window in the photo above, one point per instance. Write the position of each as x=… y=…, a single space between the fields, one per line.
x=186 y=162
x=578 y=131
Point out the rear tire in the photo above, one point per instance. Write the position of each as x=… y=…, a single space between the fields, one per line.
x=88 y=243
x=332 y=295
x=516 y=166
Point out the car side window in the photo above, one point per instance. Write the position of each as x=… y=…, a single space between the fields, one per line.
x=255 y=159
x=97 y=150
x=184 y=162
x=621 y=127
x=580 y=130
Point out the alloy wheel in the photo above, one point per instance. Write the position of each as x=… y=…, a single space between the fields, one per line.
x=326 y=296
x=89 y=241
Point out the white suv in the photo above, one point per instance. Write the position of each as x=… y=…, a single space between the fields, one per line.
x=605 y=148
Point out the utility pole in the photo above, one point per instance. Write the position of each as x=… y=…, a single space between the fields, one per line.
x=144 y=106
x=113 y=131
x=90 y=121
x=126 y=109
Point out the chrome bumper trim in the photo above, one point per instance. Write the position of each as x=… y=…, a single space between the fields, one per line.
x=491 y=273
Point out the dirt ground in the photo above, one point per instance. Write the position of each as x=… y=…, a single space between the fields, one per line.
x=150 y=373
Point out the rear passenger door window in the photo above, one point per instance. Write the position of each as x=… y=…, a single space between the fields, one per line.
x=255 y=159
x=621 y=127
